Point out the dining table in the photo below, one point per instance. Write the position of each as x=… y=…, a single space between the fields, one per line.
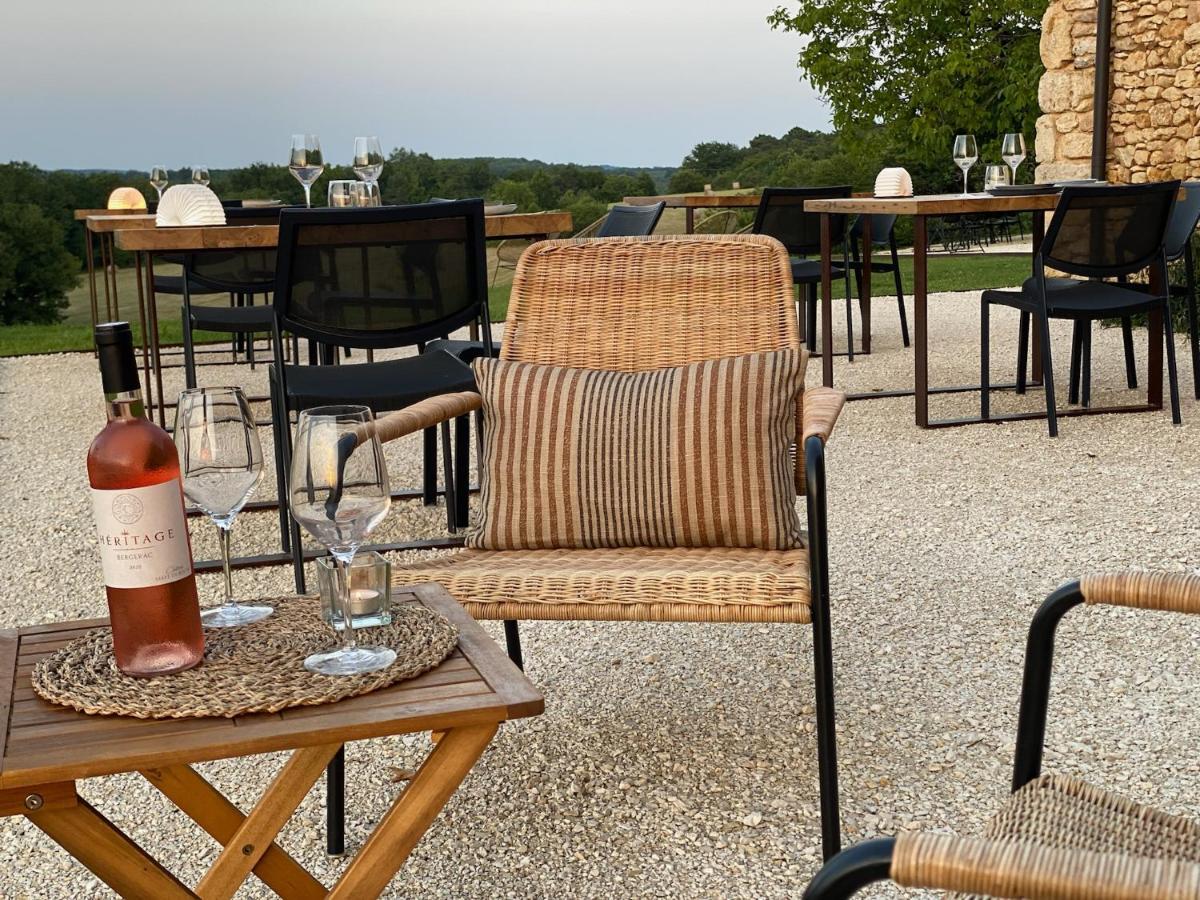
x=689 y=203
x=141 y=235
x=922 y=208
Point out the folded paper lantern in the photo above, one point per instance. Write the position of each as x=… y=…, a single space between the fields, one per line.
x=126 y=198
x=189 y=204
x=894 y=182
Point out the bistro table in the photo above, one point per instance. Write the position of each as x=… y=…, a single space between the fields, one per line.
x=47 y=748
x=145 y=239
x=921 y=208
x=89 y=252
x=689 y=203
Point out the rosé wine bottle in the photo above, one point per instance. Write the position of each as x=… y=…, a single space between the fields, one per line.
x=141 y=529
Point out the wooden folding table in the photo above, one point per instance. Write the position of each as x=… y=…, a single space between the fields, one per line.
x=47 y=748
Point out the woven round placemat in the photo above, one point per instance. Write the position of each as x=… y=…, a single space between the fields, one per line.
x=247 y=669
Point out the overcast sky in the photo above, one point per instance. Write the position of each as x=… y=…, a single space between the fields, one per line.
x=133 y=83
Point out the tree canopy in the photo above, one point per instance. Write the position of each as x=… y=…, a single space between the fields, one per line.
x=907 y=75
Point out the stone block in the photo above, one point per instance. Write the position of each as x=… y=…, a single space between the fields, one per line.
x=1055 y=43
x=1054 y=91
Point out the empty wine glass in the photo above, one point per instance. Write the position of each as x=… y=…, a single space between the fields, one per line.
x=368 y=158
x=200 y=175
x=221 y=462
x=966 y=152
x=338 y=491
x=159 y=180
x=1012 y=151
x=306 y=162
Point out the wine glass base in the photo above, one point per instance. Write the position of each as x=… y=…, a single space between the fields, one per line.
x=231 y=616
x=350 y=662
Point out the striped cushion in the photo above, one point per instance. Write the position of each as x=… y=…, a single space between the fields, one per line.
x=695 y=456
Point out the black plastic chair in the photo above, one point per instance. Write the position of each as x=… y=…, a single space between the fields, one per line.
x=1096 y=232
x=883 y=234
x=241 y=273
x=781 y=215
x=377 y=278
x=631 y=221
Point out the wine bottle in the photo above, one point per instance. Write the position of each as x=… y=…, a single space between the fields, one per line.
x=141 y=528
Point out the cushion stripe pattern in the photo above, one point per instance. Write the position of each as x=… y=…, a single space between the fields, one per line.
x=694 y=456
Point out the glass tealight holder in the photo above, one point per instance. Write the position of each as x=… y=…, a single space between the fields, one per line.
x=996 y=176
x=341 y=193
x=370 y=591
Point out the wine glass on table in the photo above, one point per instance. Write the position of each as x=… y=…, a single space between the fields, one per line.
x=200 y=175
x=306 y=162
x=159 y=180
x=338 y=491
x=966 y=153
x=368 y=159
x=1012 y=151
x=221 y=462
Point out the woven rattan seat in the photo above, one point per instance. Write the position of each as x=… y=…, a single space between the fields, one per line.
x=642 y=584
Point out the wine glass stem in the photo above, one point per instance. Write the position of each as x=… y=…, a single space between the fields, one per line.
x=308 y=195
x=965 y=171
x=1014 y=173
x=224 y=530
x=342 y=565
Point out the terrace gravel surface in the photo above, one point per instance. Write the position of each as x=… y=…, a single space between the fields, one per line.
x=679 y=760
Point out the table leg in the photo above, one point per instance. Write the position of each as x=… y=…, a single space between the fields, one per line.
x=111 y=856
x=1155 y=332
x=141 y=297
x=864 y=300
x=111 y=272
x=108 y=309
x=1038 y=232
x=413 y=812
x=155 y=349
x=920 y=322
x=209 y=808
x=254 y=836
x=826 y=302
x=90 y=257
x=689 y=220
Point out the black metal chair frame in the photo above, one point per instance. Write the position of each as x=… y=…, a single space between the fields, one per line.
x=631 y=221
x=1041 y=310
x=808 y=287
x=856 y=263
x=869 y=862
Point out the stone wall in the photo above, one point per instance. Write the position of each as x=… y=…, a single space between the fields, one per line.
x=1154 y=107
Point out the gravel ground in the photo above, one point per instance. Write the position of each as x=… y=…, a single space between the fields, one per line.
x=679 y=760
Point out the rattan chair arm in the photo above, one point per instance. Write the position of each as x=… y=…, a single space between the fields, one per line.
x=426 y=413
x=1030 y=870
x=821 y=408
x=1173 y=592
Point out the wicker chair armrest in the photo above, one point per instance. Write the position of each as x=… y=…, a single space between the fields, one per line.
x=820 y=411
x=1173 y=592
x=1024 y=869
x=426 y=413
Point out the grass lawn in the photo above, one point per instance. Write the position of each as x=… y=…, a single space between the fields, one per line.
x=946 y=273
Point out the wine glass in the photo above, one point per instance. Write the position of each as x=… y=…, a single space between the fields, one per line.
x=1012 y=151
x=200 y=175
x=368 y=158
x=221 y=463
x=306 y=162
x=966 y=152
x=159 y=180
x=338 y=491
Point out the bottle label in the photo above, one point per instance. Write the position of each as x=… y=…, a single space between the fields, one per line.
x=142 y=535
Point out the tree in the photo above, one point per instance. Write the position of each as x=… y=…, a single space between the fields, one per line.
x=686 y=181
x=712 y=157
x=914 y=73
x=36 y=270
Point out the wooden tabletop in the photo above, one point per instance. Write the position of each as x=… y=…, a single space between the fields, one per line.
x=45 y=743
x=935 y=204
x=83 y=214
x=696 y=201
x=141 y=232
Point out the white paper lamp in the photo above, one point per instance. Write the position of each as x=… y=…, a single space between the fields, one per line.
x=126 y=198
x=189 y=204
x=893 y=182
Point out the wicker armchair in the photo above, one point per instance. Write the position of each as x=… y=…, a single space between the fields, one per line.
x=1056 y=836
x=632 y=305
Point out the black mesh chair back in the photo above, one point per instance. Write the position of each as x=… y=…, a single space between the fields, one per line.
x=1100 y=232
x=781 y=215
x=631 y=221
x=881 y=229
x=237 y=271
x=1184 y=219
x=390 y=276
